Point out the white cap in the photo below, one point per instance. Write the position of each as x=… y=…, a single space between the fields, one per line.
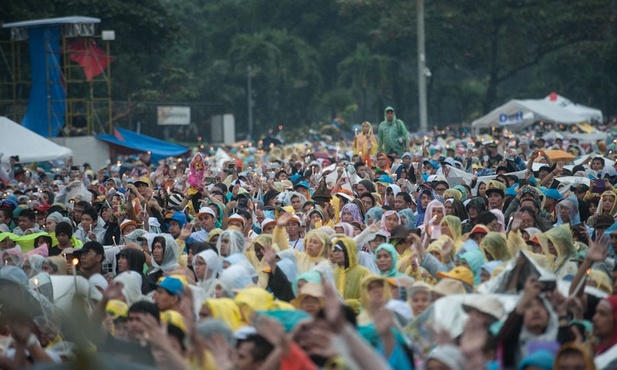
x=236 y=217
x=266 y=222
x=208 y=210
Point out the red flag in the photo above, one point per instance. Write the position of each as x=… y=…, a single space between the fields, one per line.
x=92 y=59
x=118 y=135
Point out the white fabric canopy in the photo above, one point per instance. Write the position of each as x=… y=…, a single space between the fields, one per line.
x=515 y=115
x=591 y=114
x=28 y=145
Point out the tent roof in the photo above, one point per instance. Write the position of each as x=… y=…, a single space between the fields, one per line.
x=28 y=145
x=134 y=142
x=518 y=114
x=592 y=114
x=47 y=21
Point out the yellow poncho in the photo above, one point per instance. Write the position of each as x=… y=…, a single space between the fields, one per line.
x=348 y=279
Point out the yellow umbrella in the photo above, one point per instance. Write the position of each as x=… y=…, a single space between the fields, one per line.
x=559 y=155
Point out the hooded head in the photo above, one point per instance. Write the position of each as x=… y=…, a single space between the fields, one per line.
x=348 y=248
x=370 y=301
x=374 y=214
x=385 y=114
x=558 y=241
x=253 y=299
x=226 y=310
x=211 y=259
x=392 y=271
x=353 y=209
x=495 y=247
x=474 y=259
x=453 y=223
x=322 y=237
x=170 y=254
x=231 y=241
x=135 y=258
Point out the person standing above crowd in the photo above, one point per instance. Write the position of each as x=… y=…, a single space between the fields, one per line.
x=392 y=135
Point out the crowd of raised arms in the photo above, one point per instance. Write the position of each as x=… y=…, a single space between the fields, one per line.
x=384 y=250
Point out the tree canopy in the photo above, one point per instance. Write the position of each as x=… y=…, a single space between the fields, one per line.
x=312 y=60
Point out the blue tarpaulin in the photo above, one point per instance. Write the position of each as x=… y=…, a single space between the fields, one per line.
x=46 y=105
x=129 y=141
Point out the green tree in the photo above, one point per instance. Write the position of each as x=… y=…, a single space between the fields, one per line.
x=364 y=71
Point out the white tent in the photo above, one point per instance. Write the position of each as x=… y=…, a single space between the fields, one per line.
x=515 y=115
x=591 y=114
x=29 y=146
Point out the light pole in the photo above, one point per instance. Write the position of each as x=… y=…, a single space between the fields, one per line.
x=421 y=67
x=249 y=94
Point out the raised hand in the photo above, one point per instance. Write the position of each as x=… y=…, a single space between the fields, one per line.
x=517 y=220
x=186 y=231
x=598 y=250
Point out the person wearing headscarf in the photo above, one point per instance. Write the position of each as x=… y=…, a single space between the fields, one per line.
x=433 y=215
x=164 y=258
x=474 y=260
x=207 y=268
x=607 y=204
x=390 y=220
x=500 y=220
x=348 y=273
x=386 y=258
x=391 y=191
x=425 y=196
x=455 y=208
x=344 y=228
x=407 y=218
x=373 y=215
x=350 y=213
x=231 y=242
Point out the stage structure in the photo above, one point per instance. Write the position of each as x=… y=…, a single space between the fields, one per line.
x=55 y=78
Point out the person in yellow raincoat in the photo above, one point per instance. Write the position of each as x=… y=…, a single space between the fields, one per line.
x=316 y=245
x=452 y=227
x=374 y=295
x=365 y=143
x=348 y=273
x=557 y=244
x=224 y=309
x=495 y=247
x=252 y=299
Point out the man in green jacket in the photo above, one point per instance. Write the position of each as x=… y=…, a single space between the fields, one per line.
x=392 y=135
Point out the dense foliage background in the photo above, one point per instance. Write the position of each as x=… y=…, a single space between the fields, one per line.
x=313 y=60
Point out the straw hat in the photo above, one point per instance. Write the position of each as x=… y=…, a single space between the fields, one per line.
x=448 y=286
x=486 y=304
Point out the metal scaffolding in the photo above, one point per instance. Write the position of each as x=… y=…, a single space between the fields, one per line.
x=87 y=102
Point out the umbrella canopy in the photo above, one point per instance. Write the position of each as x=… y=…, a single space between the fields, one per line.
x=559 y=155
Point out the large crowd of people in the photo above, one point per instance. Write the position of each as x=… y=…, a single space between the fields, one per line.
x=390 y=250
